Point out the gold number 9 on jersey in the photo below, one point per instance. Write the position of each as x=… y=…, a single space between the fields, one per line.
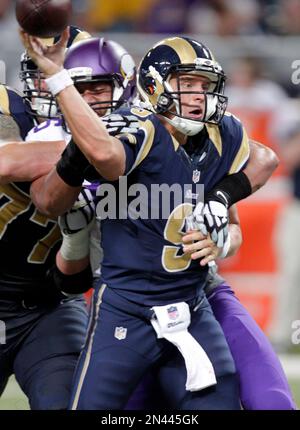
x=174 y=230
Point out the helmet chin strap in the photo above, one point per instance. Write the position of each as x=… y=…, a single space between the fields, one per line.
x=186 y=126
x=190 y=127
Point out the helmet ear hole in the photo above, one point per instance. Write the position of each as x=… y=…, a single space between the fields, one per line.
x=164 y=102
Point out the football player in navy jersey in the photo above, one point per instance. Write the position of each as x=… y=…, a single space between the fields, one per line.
x=269 y=389
x=45 y=330
x=134 y=287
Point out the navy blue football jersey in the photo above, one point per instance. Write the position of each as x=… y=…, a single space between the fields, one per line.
x=28 y=239
x=143 y=257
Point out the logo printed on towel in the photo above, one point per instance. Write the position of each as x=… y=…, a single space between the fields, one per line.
x=120 y=333
x=173 y=312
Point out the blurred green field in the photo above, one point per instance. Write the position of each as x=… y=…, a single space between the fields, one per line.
x=14 y=399
x=295 y=386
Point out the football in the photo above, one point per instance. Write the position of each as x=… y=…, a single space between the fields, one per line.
x=43 y=18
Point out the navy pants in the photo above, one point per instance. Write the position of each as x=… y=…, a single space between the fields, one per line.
x=122 y=346
x=42 y=348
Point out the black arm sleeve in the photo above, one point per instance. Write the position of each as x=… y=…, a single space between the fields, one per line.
x=231 y=189
x=73 y=167
x=71 y=284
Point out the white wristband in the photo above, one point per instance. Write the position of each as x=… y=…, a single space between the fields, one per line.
x=226 y=247
x=59 y=82
x=76 y=246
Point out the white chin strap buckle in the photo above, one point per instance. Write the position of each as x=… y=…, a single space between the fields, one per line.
x=188 y=127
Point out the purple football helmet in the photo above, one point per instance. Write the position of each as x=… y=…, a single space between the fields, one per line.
x=102 y=60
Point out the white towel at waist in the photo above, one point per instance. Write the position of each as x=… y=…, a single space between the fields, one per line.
x=171 y=322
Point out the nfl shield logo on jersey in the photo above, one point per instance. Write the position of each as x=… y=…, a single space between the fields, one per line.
x=196 y=176
x=120 y=333
x=173 y=312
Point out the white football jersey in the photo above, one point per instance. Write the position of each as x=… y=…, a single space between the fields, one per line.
x=50 y=130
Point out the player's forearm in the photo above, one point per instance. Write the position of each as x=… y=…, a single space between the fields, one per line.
x=51 y=195
x=28 y=161
x=262 y=163
x=103 y=151
x=235 y=239
x=238 y=186
x=235 y=231
x=70 y=282
x=70 y=267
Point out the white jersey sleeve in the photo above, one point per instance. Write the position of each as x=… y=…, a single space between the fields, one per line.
x=50 y=130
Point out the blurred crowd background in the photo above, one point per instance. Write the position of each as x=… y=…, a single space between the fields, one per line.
x=257 y=42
